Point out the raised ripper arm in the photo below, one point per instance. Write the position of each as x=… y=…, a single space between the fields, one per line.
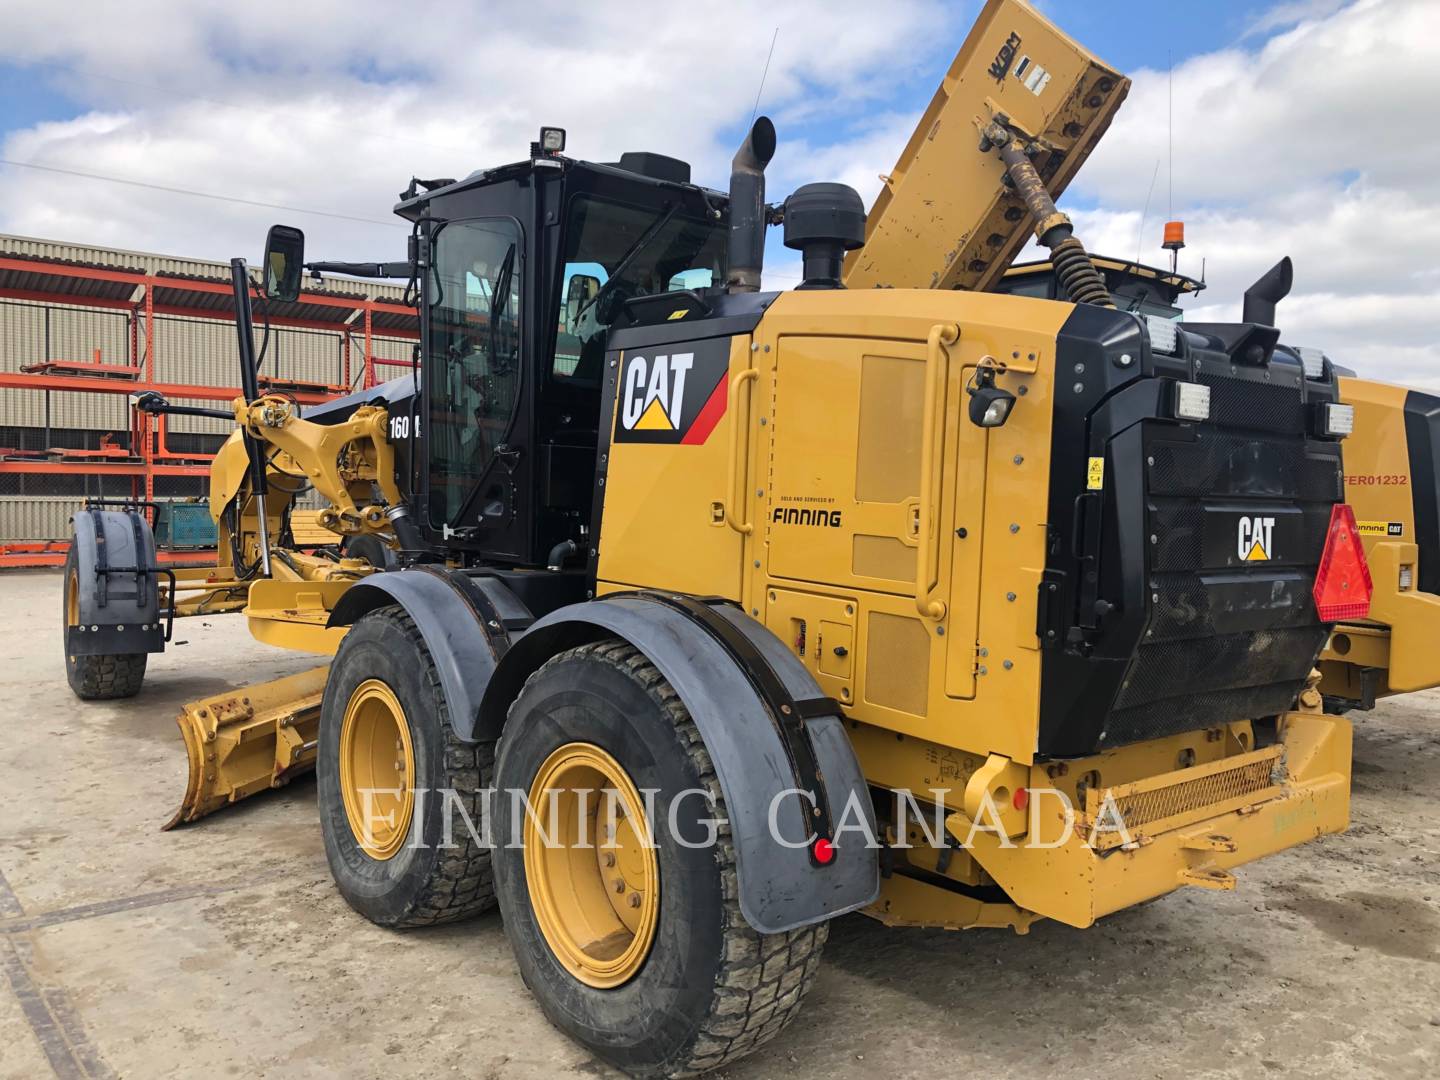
x=947 y=217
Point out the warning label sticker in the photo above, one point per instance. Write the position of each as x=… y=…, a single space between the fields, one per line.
x=1095 y=474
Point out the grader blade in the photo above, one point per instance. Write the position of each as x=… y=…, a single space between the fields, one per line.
x=248 y=740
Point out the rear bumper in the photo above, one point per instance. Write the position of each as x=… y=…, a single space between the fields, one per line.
x=1091 y=874
x=1412 y=617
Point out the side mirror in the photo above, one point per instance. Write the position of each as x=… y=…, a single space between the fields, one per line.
x=284 y=262
x=582 y=289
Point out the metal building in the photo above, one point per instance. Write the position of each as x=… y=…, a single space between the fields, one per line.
x=82 y=329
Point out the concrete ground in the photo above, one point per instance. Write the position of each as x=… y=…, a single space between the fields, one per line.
x=222 y=949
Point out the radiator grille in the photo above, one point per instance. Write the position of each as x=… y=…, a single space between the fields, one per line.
x=1227 y=642
x=1184 y=798
x=1257 y=406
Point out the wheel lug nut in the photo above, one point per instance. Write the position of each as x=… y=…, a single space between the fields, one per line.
x=619 y=885
x=609 y=858
x=634 y=899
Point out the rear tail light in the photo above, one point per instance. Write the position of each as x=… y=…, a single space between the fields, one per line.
x=1342 y=583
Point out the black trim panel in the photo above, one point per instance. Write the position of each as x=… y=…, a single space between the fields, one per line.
x=1422 y=441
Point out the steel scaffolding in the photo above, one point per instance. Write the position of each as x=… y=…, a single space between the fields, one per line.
x=141 y=301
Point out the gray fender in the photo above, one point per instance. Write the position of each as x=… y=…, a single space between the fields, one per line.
x=119 y=609
x=780 y=888
x=465 y=622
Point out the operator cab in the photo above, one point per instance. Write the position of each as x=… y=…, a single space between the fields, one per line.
x=530 y=265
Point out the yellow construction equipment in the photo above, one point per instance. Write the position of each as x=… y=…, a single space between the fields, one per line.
x=1390 y=480
x=718 y=612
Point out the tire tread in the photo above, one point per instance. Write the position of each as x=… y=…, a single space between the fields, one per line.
x=107 y=677
x=463 y=881
x=763 y=979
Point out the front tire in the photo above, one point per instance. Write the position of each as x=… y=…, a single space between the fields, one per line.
x=707 y=988
x=404 y=855
x=96 y=677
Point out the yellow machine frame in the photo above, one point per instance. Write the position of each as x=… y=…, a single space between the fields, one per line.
x=1392 y=651
x=938 y=662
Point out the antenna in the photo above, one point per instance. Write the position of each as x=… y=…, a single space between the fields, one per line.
x=1170 y=137
x=1140 y=239
x=761 y=88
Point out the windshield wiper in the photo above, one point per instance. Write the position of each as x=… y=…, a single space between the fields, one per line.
x=499 y=295
x=505 y=454
x=631 y=254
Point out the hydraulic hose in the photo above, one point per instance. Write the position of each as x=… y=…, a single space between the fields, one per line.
x=1077 y=275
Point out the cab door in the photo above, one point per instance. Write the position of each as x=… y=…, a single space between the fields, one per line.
x=478 y=466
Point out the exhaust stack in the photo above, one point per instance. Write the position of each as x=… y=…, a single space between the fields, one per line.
x=746 y=254
x=1261 y=298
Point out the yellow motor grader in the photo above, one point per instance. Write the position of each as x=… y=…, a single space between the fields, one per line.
x=720 y=612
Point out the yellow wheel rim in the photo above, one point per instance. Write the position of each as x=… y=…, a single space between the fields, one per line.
x=72 y=599
x=377 y=769
x=590 y=866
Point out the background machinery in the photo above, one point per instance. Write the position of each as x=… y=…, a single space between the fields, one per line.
x=866 y=586
x=1392 y=482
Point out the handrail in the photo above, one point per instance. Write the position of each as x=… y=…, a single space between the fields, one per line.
x=738 y=428
x=937 y=372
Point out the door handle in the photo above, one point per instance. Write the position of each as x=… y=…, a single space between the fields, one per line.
x=735 y=500
x=937 y=373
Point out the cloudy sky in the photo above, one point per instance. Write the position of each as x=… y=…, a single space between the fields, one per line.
x=1300 y=128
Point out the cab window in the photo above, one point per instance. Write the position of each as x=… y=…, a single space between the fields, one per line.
x=472 y=360
x=613 y=252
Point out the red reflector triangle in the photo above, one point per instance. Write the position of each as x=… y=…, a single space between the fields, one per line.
x=1342 y=583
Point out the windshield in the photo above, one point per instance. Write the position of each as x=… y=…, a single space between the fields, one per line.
x=614 y=252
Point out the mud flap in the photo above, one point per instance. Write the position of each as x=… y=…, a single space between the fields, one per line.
x=466 y=621
x=117 y=585
x=771 y=733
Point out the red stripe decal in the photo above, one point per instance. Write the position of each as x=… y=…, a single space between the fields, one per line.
x=709 y=414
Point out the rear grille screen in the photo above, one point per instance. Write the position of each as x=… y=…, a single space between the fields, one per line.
x=1227 y=639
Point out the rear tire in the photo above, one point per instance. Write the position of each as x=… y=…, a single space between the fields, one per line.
x=372 y=549
x=436 y=870
x=711 y=989
x=97 y=677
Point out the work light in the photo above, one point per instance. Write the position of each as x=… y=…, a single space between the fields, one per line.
x=1337 y=420
x=1192 y=401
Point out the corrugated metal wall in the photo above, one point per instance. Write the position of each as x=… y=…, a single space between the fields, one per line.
x=36 y=517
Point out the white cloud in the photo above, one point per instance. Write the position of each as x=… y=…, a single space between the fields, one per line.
x=334 y=105
x=1313 y=143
